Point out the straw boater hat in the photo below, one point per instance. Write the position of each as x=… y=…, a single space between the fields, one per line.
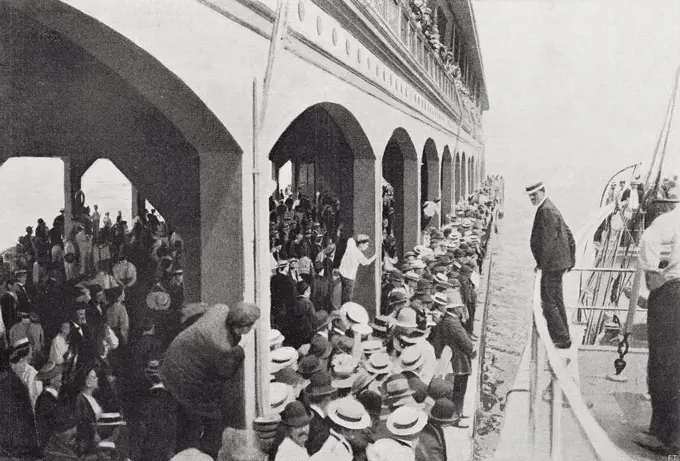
x=158 y=301
x=355 y=313
x=411 y=359
x=534 y=187
x=20 y=347
x=349 y=413
x=280 y=395
x=281 y=358
x=362 y=329
x=379 y=363
x=275 y=339
x=406 y=421
x=373 y=346
x=442 y=280
x=344 y=376
x=110 y=419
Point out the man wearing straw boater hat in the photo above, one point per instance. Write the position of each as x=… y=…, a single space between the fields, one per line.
x=554 y=250
x=662 y=275
x=353 y=257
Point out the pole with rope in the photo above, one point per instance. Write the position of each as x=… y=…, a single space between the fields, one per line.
x=260 y=214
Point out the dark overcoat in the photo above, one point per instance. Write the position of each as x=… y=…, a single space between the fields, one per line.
x=450 y=332
x=552 y=242
x=200 y=361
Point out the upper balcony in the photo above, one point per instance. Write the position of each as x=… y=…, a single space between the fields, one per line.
x=407 y=40
x=417 y=36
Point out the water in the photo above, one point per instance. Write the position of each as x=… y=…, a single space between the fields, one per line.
x=32 y=188
x=509 y=309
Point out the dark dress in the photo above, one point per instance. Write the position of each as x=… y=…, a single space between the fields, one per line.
x=300 y=327
x=51 y=417
x=18 y=436
x=153 y=438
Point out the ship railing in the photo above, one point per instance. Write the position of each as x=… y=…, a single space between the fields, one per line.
x=563 y=386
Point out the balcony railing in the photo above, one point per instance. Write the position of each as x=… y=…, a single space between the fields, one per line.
x=397 y=15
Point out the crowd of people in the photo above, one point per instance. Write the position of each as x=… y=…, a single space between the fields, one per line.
x=101 y=358
x=348 y=387
x=83 y=314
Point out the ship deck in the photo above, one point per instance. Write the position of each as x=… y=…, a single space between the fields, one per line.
x=620 y=408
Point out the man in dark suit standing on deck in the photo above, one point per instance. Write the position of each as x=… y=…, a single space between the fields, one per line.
x=554 y=250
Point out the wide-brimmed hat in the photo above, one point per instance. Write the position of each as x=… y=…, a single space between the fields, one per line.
x=381 y=323
x=372 y=346
x=320 y=347
x=320 y=385
x=453 y=299
x=158 y=301
x=412 y=276
x=361 y=383
x=395 y=276
x=110 y=419
x=397 y=297
x=295 y=415
x=443 y=412
x=406 y=421
x=411 y=358
x=349 y=413
x=397 y=388
x=49 y=371
x=280 y=395
x=355 y=313
x=379 y=363
x=407 y=318
x=321 y=320
x=418 y=264
x=281 y=358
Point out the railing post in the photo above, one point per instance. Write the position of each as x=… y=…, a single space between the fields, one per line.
x=533 y=388
x=556 y=421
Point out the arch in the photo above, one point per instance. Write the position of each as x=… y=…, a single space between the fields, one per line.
x=88 y=92
x=447 y=184
x=458 y=179
x=331 y=155
x=399 y=169
x=465 y=178
x=429 y=177
x=134 y=105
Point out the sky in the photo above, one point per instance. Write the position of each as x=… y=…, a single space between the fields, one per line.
x=578 y=89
